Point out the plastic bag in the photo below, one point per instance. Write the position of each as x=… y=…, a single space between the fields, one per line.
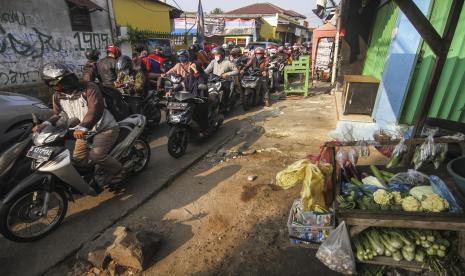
x=312 y=193
x=411 y=178
x=399 y=187
x=351 y=189
x=397 y=155
x=336 y=252
x=352 y=156
x=440 y=188
x=342 y=157
x=426 y=151
x=292 y=175
x=364 y=150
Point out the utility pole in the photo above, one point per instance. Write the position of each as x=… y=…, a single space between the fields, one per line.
x=336 y=46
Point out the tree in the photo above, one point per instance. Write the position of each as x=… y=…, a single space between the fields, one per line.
x=217 y=11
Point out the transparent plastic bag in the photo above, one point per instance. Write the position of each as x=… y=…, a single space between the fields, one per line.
x=426 y=152
x=336 y=252
x=397 y=155
x=342 y=157
x=440 y=188
x=363 y=150
x=352 y=155
x=411 y=178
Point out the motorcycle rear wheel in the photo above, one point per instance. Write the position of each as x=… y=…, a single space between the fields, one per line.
x=177 y=143
x=142 y=151
x=25 y=206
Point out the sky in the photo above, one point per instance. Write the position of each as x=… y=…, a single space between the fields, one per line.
x=301 y=6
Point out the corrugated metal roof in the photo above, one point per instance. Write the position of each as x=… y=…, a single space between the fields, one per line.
x=449 y=99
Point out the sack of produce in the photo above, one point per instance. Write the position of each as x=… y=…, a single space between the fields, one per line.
x=312 y=193
x=292 y=175
x=336 y=252
x=411 y=177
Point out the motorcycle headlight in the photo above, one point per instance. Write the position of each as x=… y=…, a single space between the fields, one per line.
x=218 y=86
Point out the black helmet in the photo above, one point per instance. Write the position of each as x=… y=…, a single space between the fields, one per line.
x=218 y=50
x=59 y=73
x=92 y=54
x=194 y=48
x=182 y=52
x=231 y=45
x=124 y=64
x=139 y=47
x=235 y=52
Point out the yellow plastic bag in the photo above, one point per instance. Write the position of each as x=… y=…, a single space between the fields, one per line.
x=312 y=193
x=292 y=175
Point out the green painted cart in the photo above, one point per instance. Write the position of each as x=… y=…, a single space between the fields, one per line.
x=301 y=67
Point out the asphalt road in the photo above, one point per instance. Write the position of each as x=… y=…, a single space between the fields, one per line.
x=90 y=216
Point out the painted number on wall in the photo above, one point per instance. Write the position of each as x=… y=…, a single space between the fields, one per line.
x=90 y=41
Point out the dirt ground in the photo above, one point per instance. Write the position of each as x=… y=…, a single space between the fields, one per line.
x=215 y=221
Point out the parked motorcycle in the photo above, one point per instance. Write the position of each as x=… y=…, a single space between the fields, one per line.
x=191 y=117
x=38 y=204
x=14 y=166
x=250 y=82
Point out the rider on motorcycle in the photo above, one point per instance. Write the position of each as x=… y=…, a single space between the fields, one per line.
x=197 y=54
x=83 y=101
x=191 y=71
x=220 y=66
x=107 y=66
x=130 y=77
x=90 y=72
x=259 y=62
x=238 y=60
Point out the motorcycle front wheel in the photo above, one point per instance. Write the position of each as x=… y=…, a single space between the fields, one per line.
x=22 y=220
x=247 y=99
x=177 y=143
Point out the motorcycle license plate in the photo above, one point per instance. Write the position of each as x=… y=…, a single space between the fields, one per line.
x=40 y=153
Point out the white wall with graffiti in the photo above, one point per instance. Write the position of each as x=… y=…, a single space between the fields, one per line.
x=33 y=33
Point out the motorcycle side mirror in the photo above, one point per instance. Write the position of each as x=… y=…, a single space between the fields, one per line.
x=74 y=122
x=35 y=120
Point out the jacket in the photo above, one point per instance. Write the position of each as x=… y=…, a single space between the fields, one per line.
x=224 y=66
x=90 y=72
x=86 y=104
x=106 y=68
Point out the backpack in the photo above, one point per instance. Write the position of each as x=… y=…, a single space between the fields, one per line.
x=114 y=103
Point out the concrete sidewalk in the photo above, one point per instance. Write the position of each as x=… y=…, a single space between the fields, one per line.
x=88 y=217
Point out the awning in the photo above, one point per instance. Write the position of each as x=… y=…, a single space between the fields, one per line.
x=86 y=4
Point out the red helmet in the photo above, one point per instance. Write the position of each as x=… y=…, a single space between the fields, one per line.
x=259 y=50
x=213 y=46
x=270 y=46
x=113 y=49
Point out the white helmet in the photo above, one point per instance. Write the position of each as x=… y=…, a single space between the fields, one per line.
x=273 y=52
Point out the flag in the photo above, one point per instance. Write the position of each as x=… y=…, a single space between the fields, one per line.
x=200 y=24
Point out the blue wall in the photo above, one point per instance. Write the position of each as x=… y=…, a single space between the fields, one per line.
x=398 y=69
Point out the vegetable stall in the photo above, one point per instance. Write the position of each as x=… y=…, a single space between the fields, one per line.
x=401 y=216
x=394 y=216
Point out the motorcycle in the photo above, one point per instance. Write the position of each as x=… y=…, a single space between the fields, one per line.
x=250 y=82
x=148 y=105
x=225 y=87
x=275 y=72
x=38 y=204
x=191 y=117
x=13 y=166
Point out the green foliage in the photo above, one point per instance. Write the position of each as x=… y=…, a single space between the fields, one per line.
x=217 y=11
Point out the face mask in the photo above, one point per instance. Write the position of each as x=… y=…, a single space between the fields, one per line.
x=182 y=59
x=259 y=56
x=217 y=58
